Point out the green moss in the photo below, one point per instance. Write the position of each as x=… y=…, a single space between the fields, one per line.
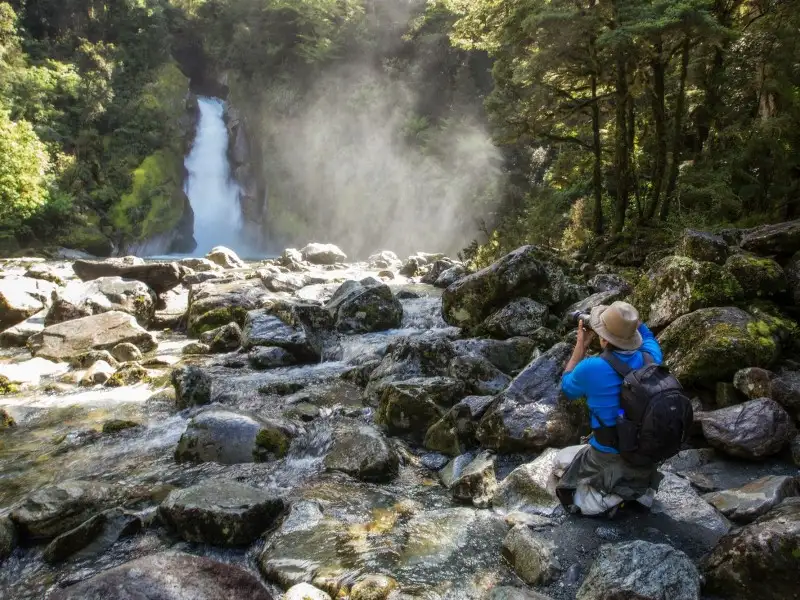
x=128 y=375
x=116 y=425
x=6 y=387
x=271 y=442
x=6 y=420
x=758 y=276
x=217 y=318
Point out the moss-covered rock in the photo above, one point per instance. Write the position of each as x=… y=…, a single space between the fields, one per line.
x=6 y=420
x=520 y=317
x=117 y=425
x=364 y=306
x=129 y=374
x=758 y=277
x=213 y=305
x=677 y=285
x=702 y=246
x=412 y=406
x=361 y=451
x=6 y=387
x=711 y=344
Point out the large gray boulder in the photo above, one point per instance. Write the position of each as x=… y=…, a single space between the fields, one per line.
x=758 y=277
x=93 y=537
x=21 y=298
x=222 y=513
x=264 y=329
x=530 y=488
x=785 y=390
x=609 y=282
x=169 y=576
x=479 y=375
x=643 y=571
x=747 y=503
x=526 y=272
x=225 y=258
x=70 y=339
x=361 y=451
x=226 y=339
x=55 y=509
x=677 y=499
x=510 y=356
x=781 y=239
x=711 y=344
x=754 y=382
x=214 y=304
x=759 y=560
x=411 y=406
x=364 y=306
x=754 y=429
x=702 y=246
x=471 y=480
x=18 y=335
x=228 y=437
x=531 y=414
x=677 y=286
x=83 y=299
x=597 y=299
x=520 y=317
x=323 y=254
x=159 y=277
x=171 y=309
x=532 y=557
x=192 y=386
x=454 y=433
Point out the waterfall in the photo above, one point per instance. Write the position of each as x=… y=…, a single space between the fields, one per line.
x=213 y=194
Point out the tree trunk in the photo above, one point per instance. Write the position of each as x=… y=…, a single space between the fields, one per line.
x=680 y=107
x=597 y=174
x=621 y=154
x=658 y=104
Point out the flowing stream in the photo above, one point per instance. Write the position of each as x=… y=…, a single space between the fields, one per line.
x=213 y=194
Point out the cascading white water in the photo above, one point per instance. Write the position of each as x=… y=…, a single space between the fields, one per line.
x=213 y=194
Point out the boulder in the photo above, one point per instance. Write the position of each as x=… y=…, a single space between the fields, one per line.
x=479 y=375
x=676 y=286
x=171 y=309
x=6 y=420
x=608 y=282
x=159 y=277
x=225 y=258
x=361 y=451
x=504 y=592
x=643 y=571
x=747 y=503
x=222 y=513
x=227 y=338
x=200 y=265
x=752 y=430
x=532 y=557
x=597 y=299
x=781 y=239
x=45 y=273
x=192 y=386
x=228 y=437
x=83 y=299
x=754 y=382
x=449 y=276
x=21 y=298
x=758 y=277
x=8 y=538
x=18 y=335
x=785 y=390
x=264 y=329
x=526 y=272
x=129 y=374
x=126 y=352
x=530 y=488
x=472 y=481
x=454 y=433
x=520 y=317
x=270 y=357
x=410 y=358
x=436 y=269
x=413 y=405
x=305 y=591
x=531 y=414
x=373 y=587
x=323 y=254
x=702 y=246
x=169 y=576
x=99 y=373
x=213 y=304
x=711 y=344
x=68 y=340
x=677 y=499
x=386 y=259
x=93 y=537
x=759 y=560
x=510 y=356
x=364 y=306
x=194 y=348
x=55 y=509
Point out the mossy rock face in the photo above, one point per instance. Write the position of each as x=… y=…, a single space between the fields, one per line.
x=677 y=285
x=412 y=406
x=364 y=306
x=759 y=277
x=6 y=420
x=130 y=374
x=712 y=344
x=6 y=387
x=760 y=560
x=212 y=305
x=702 y=246
x=117 y=425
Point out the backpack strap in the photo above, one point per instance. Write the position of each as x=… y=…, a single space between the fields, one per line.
x=620 y=366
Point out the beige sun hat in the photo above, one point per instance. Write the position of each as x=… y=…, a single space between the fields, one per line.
x=618 y=324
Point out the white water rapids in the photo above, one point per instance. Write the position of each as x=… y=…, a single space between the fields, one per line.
x=213 y=193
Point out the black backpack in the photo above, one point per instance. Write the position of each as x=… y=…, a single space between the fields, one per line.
x=658 y=416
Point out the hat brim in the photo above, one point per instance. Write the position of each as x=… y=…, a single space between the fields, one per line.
x=632 y=343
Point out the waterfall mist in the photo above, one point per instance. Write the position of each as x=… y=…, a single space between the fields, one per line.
x=214 y=196
x=352 y=162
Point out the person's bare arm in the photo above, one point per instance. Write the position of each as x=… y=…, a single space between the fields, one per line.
x=581 y=345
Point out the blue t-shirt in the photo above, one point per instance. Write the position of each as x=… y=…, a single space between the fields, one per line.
x=594 y=378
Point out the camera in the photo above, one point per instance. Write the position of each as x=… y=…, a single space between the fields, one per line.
x=575 y=316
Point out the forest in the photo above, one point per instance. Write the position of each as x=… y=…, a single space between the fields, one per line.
x=615 y=123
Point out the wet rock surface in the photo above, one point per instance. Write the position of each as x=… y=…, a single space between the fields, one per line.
x=747 y=503
x=79 y=299
x=754 y=429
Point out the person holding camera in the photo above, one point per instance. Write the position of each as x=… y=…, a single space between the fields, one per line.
x=595 y=478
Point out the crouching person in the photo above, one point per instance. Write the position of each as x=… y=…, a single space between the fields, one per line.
x=639 y=414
